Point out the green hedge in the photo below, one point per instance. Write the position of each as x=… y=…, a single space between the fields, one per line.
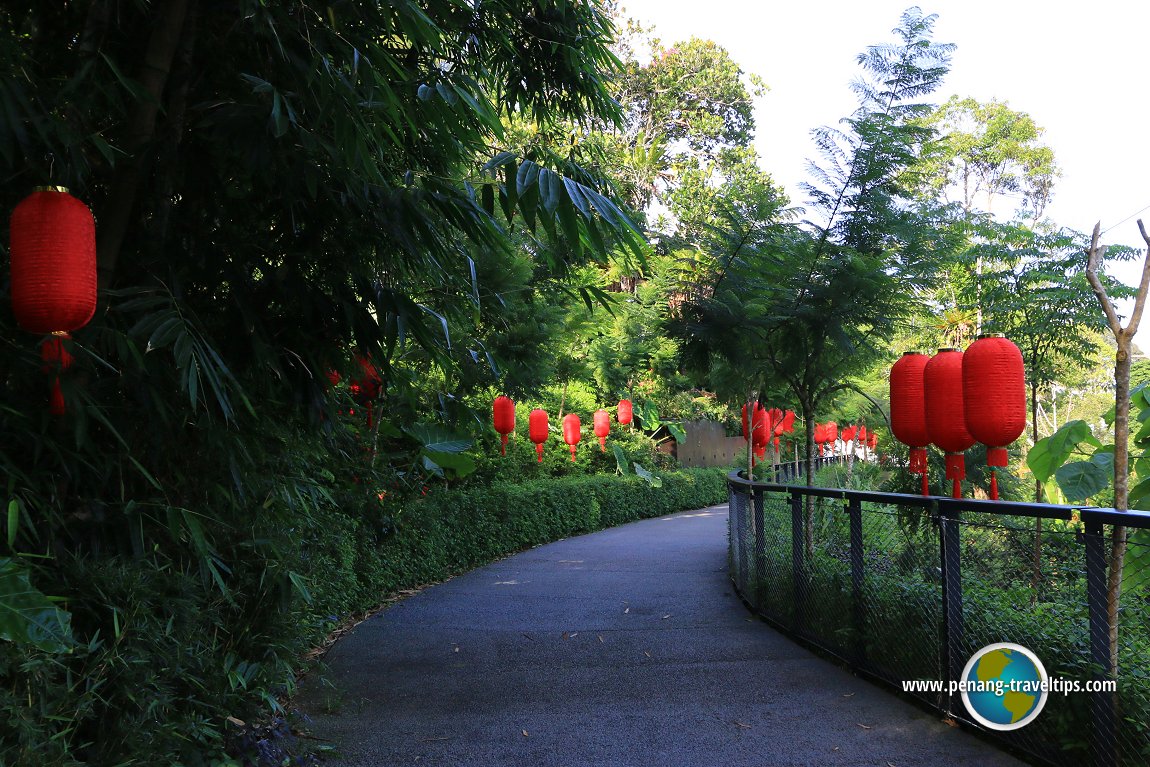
x=457 y=530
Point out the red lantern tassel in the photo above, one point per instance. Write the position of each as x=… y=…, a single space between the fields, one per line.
x=56 y=398
x=993 y=485
x=503 y=446
x=925 y=484
x=572 y=454
x=602 y=444
x=956 y=470
x=539 y=452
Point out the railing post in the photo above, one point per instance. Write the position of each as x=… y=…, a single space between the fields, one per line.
x=760 y=549
x=858 y=605
x=953 y=654
x=798 y=569
x=1104 y=747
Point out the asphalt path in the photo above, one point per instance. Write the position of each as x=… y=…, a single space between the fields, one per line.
x=623 y=647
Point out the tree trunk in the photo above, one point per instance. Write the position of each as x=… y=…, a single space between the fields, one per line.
x=1123 y=337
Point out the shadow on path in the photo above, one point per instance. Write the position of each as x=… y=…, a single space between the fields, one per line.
x=623 y=647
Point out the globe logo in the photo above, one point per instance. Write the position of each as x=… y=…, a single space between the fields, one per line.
x=1004 y=686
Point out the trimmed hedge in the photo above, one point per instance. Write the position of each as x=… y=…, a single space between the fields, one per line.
x=454 y=531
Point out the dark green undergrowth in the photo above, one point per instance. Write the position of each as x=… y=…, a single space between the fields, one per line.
x=181 y=637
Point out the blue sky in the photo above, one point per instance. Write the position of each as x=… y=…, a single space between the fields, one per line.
x=1082 y=75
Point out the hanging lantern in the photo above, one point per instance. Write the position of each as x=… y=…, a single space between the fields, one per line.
x=945 y=412
x=861 y=433
x=624 y=414
x=503 y=414
x=908 y=410
x=820 y=437
x=994 y=398
x=366 y=388
x=571 y=427
x=832 y=436
x=602 y=428
x=756 y=431
x=872 y=441
x=53 y=248
x=789 y=422
x=538 y=429
x=848 y=433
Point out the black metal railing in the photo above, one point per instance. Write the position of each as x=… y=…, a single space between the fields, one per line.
x=905 y=587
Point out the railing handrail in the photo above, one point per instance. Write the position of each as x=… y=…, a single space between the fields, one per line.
x=1096 y=514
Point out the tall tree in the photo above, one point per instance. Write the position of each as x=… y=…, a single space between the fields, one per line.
x=813 y=305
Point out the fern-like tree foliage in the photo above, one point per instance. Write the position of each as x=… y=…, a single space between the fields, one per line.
x=814 y=304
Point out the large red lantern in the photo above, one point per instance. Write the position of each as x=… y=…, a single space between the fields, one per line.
x=848 y=433
x=872 y=440
x=788 y=422
x=571 y=427
x=820 y=437
x=503 y=414
x=602 y=428
x=908 y=410
x=53 y=248
x=994 y=398
x=945 y=412
x=538 y=429
x=624 y=414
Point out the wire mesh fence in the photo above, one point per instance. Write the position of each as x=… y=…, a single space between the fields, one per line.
x=916 y=591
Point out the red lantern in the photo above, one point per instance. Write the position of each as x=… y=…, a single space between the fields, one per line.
x=367 y=387
x=623 y=413
x=789 y=422
x=861 y=433
x=571 y=435
x=760 y=433
x=872 y=441
x=538 y=429
x=908 y=410
x=53 y=249
x=820 y=437
x=945 y=412
x=848 y=433
x=994 y=398
x=602 y=428
x=503 y=413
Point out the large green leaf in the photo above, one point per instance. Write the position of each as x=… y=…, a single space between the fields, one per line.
x=436 y=439
x=647 y=476
x=461 y=465
x=621 y=459
x=1053 y=451
x=677 y=431
x=1080 y=480
x=27 y=616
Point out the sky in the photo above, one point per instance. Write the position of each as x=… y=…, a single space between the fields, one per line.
x=1082 y=74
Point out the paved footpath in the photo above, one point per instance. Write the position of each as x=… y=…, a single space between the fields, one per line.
x=626 y=647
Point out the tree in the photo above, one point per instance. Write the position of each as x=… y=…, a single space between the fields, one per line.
x=280 y=188
x=814 y=305
x=986 y=152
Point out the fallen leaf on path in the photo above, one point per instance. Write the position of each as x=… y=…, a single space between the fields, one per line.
x=647 y=653
x=864 y=726
x=849 y=695
x=237 y=722
x=525 y=734
x=600 y=637
x=528 y=636
x=740 y=724
x=627 y=610
x=665 y=617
